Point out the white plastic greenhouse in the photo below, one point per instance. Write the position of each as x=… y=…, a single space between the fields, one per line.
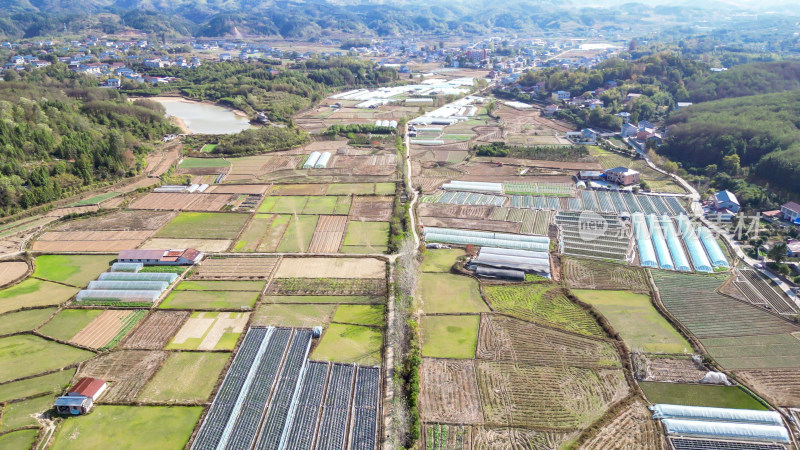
x=647 y=255
x=696 y=252
x=128 y=286
x=482 y=240
x=126 y=267
x=488 y=234
x=675 y=248
x=139 y=276
x=311 y=161
x=513 y=262
x=119 y=296
x=473 y=186
x=712 y=247
x=510 y=252
x=323 y=160
x=726 y=430
x=667 y=411
x=659 y=243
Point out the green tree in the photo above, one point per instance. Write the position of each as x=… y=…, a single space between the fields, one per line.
x=778 y=252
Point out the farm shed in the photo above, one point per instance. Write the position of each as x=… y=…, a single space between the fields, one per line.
x=502 y=274
x=126 y=267
x=647 y=255
x=675 y=247
x=727 y=430
x=88 y=387
x=696 y=252
x=141 y=276
x=73 y=405
x=667 y=411
x=118 y=295
x=311 y=161
x=712 y=247
x=659 y=243
x=128 y=285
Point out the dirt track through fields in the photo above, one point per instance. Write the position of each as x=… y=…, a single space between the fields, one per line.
x=328 y=235
x=102 y=329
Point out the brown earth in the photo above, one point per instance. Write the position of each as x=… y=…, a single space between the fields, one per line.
x=156 y=330
x=328 y=234
x=126 y=372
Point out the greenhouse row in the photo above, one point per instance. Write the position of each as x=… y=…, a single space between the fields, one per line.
x=526 y=261
x=118 y=296
x=698 y=255
x=126 y=267
x=317 y=160
x=169 y=277
x=659 y=246
x=473 y=186
x=486 y=239
x=667 y=411
x=722 y=423
x=138 y=287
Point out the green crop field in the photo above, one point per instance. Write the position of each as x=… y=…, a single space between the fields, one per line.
x=233 y=300
x=76 y=270
x=185 y=377
x=360 y=236
x=255 y=286
x=298 y=234
x=699 y=395
x=111 y=426
x=636 y=320
x=24 y=320
x=208 y=148
x=385 y=188
x=450 y=336
x=69 y=322
x=544 y=303
x=203 y=163
x=320 y=204
x=96 y=200
x=18 y=440
x=24 y=355
x=350 y=344
x=196 y=225
x=338 y=299
x=370 y=315
x=33 y=292
x=263 y=233
x=290 y=204
x=20 y=414
x=51 y=383
x=448 y=293
x=343 y=205
x=440 y=260
x=294 y=315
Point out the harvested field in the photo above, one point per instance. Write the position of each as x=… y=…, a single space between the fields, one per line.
x=255 y=189
x=517 y=438
x=328 y=235
x=508 y=339
x=468 y=224
x=204 y=245
x=210 y=331
x=449 y=392
x=156 y=330
x=193 y=225
x=159 y=162
x=331 y=268
x=327 y=286
x=127 y=371
x=236 y=269
x=456 y=211
x=298 y=189
x=182 y=201
x=119 y=221
x=563 y=397
x=593 y=274
x=771 y=351
x=677 y=369
x=372 y=209
x=90 y=241
x=104 y=328
x=544 y=303
x=632 y=429
x=779 y=386
x=12 y=271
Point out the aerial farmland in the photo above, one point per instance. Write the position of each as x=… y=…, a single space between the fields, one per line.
x=395 y=284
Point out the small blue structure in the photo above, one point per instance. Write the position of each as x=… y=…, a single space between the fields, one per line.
x=73 y=405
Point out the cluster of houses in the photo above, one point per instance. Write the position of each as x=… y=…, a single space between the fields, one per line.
x=642 y=133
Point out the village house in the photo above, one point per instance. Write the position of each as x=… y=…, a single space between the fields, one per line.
x=725 y=200
x=177 y=257
x=623 y=176
x=790 y=211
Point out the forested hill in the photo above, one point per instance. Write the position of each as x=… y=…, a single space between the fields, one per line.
x=757 y=137
x=58 y=134
x=747 y=79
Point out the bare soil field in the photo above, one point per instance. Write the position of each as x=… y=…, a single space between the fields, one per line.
x=244 y=268
x=455 y=211
x=331 y=268
x=372 y=209
x=126 y=372
x=594 y=274
x=488 y=133
x=250 y=168
x=11 y=271
x=449 y=391
x=204 y=245
x=120 y=221
x=257 y=189
x=530 y=122
x=779 y=386
x=298 y=189
x=328 y=235
x=485 y=437
x=682 y=370
x=565 y=165
x=429 y=185
x=358 y=162
x=476 y=224
x=502 y=171
x=183 y=201
x=327 y=286
x=102 y=329
x=156 y=330
x=95 y=235
x=85 y=246
x=206 y=330
x=632 y=429
x=161 y=160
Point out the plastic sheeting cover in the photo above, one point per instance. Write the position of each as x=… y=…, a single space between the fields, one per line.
x=488 y=242
x=647 y=255
x=312 y=160
x=487 y=235
x=323 y=160
x=674 y=244
x=111 y=285
x=143 y=296
x=668 y=411
x=139 y=276
x=712 y=247
x=510 y=252
x=506 y=274
x=126 y=267
x=746 y=431
x=696 y=252
x=513 y=262
x=659 y=243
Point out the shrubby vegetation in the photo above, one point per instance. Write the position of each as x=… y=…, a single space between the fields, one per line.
x=748 y=79
x=543 y=152
x=58 y=136
x=261 y=140
x=358 y=128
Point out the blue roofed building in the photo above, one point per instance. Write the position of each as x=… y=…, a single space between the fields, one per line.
x=726 y=200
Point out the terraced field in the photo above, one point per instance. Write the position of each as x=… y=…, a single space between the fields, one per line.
x=583 y=273
x=631 y=429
